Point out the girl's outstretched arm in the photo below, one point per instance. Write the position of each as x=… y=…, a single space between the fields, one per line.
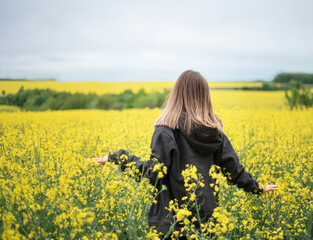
x=235 y=172
x=162 y=147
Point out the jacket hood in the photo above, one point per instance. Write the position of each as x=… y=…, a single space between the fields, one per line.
x=204 y=139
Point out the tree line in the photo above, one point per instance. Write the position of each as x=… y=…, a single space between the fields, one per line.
x=293 y=84
x=296 y=93
x=44 y=99
x=305 y=78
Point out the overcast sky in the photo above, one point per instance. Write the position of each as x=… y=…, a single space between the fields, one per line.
x=154 y=40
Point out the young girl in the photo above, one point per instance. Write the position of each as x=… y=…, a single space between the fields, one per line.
x=188 y=132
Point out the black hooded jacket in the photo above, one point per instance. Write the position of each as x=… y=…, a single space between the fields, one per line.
x=175 y=148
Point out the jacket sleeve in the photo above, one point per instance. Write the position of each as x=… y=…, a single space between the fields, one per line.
x=234 y=170
x=162 y=147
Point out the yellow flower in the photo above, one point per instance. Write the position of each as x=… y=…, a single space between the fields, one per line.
x=182 y=214
x=111 y=236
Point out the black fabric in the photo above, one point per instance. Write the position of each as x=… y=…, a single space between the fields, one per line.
x=204 y=147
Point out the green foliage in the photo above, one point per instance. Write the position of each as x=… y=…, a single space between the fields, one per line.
x=270 y=86
x=300 y=77
x=266 y=86
x=79 y=101
x=106 y=102
x=44 y=99
x=298 y=96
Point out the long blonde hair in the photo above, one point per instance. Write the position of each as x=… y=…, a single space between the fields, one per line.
x=190 y=97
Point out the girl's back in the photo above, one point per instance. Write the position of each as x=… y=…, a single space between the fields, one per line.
x=205 y=146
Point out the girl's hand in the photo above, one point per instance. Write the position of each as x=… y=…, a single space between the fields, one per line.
x=103 y=160
x=269 y=188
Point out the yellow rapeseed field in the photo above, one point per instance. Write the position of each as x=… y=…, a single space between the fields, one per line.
x=107 y=87
x=248 y=99
x=49 y=189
